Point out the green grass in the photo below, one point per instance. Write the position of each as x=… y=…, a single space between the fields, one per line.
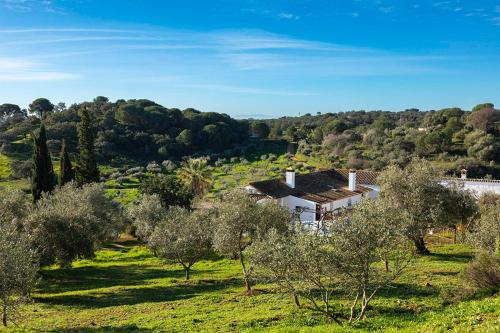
x=4 y=166
x=240 y=173
x=126 y=289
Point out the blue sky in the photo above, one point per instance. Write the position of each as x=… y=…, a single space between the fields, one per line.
x=253 y=57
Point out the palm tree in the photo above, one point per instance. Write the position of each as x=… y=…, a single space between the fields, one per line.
x=195 y=175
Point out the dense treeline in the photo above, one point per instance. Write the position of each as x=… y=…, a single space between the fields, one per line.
x=372 y=140
x=140 y=129
x=144 y=130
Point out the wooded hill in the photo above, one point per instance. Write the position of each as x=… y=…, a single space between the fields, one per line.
x=144 y=131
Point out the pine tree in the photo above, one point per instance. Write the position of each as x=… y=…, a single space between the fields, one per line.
x=86 y=168
x=42 y=172
x=66 y=169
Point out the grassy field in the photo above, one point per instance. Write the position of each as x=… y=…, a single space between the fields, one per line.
x=126 y=289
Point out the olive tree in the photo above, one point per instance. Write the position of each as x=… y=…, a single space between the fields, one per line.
x=418 y=197
x=241 y=220
x=72 y=222
x=299 y=262
x=485 y=233
x=461 y=206
x=361 y=242
x=146 y=214
x=13 y=207
x=182 y=237
x=18 y=271
x=349 y=255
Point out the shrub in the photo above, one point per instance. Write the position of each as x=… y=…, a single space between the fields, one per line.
x=134 y=170
x=153 y=167
x=18 y=269
x=483 y=273
x=168 y=165
x=21 y=169
x=71 y=223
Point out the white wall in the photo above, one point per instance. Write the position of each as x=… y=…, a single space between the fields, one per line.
x=330 y=206
x=375 y=191
x=478 y=187
x=291 y=202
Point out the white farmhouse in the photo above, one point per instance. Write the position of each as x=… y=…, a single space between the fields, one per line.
x=316 y=195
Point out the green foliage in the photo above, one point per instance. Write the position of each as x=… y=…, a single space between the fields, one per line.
x=300 y=264
x=183 y=237
x=41 y=107
x=7 y=110
x=418 y=199
x=485 y=233
x=18 y=270
x=71 y=223
x=195 y=175
x=66 y=172
x=146 y=214
x=42 y=175
x=260 y=129
x=484 y=273
x=372 y=233
x=241 y=220
x=86 y=167
x=168 y=189
x=126 y=289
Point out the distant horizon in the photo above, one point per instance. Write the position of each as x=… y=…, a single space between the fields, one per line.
x=259 y=116
x=252 y=57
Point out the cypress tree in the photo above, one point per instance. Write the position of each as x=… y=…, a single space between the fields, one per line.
x=66 y=169
x=86 y=168
x=42 y=172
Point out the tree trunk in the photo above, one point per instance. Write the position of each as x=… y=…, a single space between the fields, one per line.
x=245 y=272
x=454 y=234
x=296 y=300
x=187 y=270
x=4 y=315
x=420 y=246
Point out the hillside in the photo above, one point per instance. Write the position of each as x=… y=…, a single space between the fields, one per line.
x=138 y=138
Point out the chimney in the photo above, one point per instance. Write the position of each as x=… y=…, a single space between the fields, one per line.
x=352 y=180
x=463 y=173
x=290 y=177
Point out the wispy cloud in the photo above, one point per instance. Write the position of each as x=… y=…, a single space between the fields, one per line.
x=48 y=6
x=288 y=16
x=237 y=52
x=28 y=70
x=386 y=9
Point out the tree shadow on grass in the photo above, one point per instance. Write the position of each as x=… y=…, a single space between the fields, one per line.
x=137 y=295
x=453 y=257
x=102 y=329
x=86 y=278
x=408 y=290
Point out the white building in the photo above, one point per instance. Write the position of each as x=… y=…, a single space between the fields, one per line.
x=320 y=194
x=476 y=186
x=315 y=195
